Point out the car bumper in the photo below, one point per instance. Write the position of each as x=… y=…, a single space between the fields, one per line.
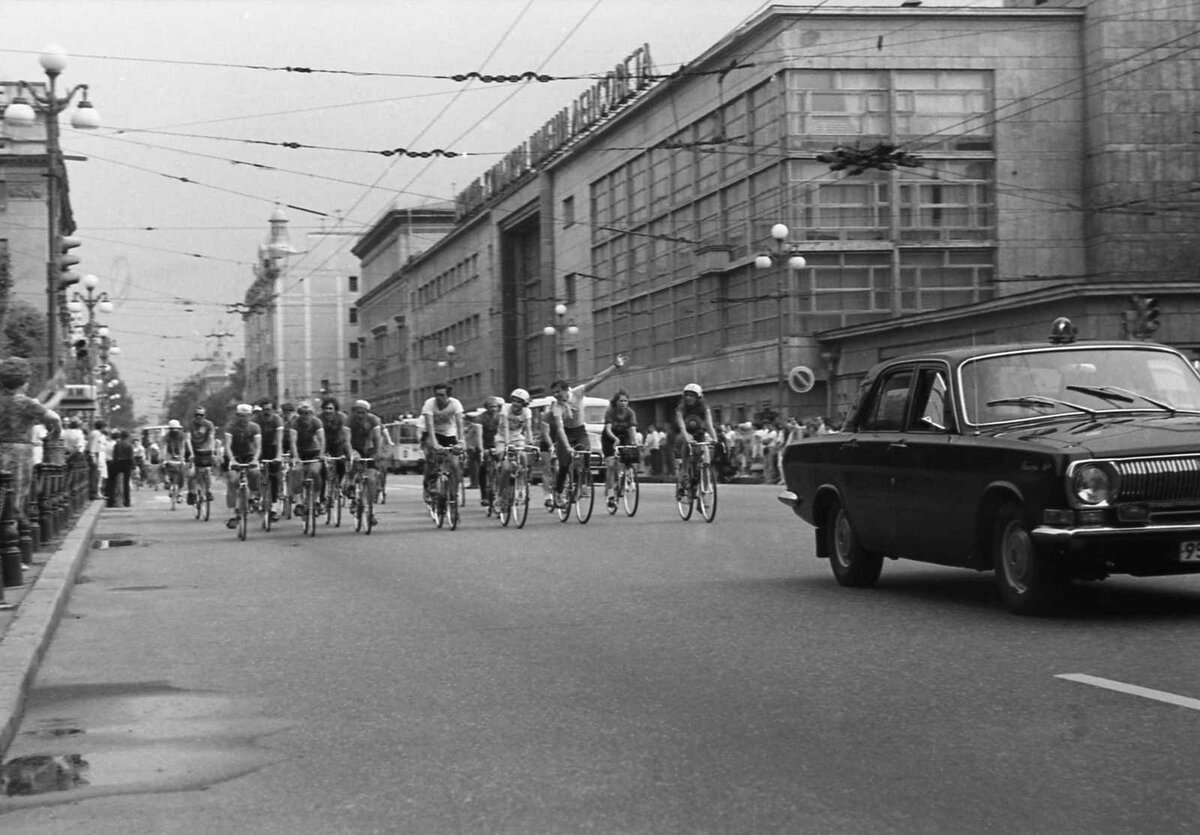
x=1048 y=533
x=1146 y=551
x=790 y=499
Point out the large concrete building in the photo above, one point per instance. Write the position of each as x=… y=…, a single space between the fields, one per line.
x=1058 y=169
x=300 y=319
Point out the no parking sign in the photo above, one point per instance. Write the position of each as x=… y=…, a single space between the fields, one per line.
x=801 y=379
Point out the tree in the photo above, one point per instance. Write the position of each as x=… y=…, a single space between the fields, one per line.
x=23 y=334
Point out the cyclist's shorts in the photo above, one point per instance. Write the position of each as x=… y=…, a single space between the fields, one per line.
x=445 y=440
x=203 y=457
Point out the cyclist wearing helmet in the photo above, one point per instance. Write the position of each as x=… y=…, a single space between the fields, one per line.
x=620 y=428
x=489 y=425
x=516 y=424
x=694 y=422
x=567 y=428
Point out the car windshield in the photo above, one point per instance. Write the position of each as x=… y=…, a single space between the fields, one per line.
x=1076 y=381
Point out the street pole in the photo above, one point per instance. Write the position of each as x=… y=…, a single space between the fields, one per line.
x=54 y=211
x=783 y=258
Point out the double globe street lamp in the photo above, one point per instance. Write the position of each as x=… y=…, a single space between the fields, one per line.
x=561 y=326
x=22 y=113
x=784 y=254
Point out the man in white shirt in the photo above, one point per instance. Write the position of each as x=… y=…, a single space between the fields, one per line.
x=443 y=420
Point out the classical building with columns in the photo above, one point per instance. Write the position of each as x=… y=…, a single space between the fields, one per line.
x=1056 y=174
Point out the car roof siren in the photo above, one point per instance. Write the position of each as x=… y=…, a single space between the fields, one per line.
x=1062 y=332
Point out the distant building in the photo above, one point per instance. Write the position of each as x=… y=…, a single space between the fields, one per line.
x=300 y=319
x=1057 y=175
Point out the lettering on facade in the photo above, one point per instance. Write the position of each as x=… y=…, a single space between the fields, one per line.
x=628 y=78
x=25 y=191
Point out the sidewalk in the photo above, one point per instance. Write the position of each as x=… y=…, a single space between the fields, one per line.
x=25 y=629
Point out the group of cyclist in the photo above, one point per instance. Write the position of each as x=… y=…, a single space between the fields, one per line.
x=260 y=439
x=337 y=444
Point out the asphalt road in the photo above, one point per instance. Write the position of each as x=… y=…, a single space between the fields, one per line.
x=639 y=675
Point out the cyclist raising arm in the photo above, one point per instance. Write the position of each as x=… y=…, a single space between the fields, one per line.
x=443 y=424
x=620 y=428
x=567 y=427
x=694 y=421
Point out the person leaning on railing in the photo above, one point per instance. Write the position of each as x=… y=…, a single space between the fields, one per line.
x=18 y=414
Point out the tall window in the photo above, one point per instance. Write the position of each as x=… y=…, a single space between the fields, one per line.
x=568 y=211
x=354 y=315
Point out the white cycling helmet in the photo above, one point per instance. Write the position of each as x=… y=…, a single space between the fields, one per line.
x=174 y=424
x=693 y=388
x=520 y=394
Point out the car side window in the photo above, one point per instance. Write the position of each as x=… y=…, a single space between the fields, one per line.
x=932 y=413
x=891 y=402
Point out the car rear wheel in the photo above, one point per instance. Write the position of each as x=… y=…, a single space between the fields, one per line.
x=1029 y=583
x=853 y=566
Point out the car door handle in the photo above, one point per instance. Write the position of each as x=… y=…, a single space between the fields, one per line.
x=898 y=445
x=850 y=444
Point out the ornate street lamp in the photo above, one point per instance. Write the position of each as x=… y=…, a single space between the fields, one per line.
x=23 y=112
x=561 y=325
x=783 y=254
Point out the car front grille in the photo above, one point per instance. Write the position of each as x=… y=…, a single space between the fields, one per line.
x=1173 y=479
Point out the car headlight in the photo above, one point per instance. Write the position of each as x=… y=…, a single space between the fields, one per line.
x=1092 y=485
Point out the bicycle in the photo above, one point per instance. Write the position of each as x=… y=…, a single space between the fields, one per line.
x=285 y=475
x=266 y=493
x=202 y=484
x=308 y=496
x=174 y=471
x=577 y=489
x=488 y=495
x=625 y=484
x=696 y=484
x=362 y=499
x=514 y=486
x=335 y=498
x=241 y=502
x=444 y=495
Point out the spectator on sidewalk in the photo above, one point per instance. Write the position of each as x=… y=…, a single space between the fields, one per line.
x=18 y=413
x=120 y=469
x=652 y=445
x=98 y=473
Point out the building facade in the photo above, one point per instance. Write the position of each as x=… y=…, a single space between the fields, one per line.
x=300 y=319
x=1057 y=164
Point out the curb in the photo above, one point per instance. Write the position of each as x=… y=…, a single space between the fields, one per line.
x=24 y=643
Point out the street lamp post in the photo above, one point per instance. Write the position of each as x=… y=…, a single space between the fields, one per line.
x=91 y=301
x=794 y=261
x=451 y=358
x=21 y=113
x=561 y=325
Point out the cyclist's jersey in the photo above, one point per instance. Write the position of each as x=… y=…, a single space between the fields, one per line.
x=489 y=425
x=241 y=439
x=173 y=443
x=518 y=425
x=335 y=436
x=361 y=432
x=444 y=422
x=570 y=413
x=621 y=421
x=269 y=427
x=308 y=444
x=694 y=419
x=202 y=435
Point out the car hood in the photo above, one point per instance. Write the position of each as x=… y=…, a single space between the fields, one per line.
x=1113 y=435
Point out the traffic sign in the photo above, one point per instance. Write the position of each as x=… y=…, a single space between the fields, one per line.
x=801 y=379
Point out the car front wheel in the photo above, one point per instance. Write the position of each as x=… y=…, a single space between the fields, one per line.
x=853 y=566
x=1029 y=583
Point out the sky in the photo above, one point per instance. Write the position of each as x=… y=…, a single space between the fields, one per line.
x=181 y=179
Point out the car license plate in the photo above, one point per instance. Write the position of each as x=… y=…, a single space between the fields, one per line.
x=1189 y=551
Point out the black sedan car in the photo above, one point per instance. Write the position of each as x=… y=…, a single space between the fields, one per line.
x=1045 y=463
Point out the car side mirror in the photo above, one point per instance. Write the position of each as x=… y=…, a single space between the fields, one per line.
x=930 y=423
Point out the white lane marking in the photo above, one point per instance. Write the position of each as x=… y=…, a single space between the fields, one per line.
x=1133 y=690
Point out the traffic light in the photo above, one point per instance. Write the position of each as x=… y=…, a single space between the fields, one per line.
x=64 y=260
x=1142 y=319
x=81 y=349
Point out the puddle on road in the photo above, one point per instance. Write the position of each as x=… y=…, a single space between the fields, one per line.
x=112 y=543
x=82 y=742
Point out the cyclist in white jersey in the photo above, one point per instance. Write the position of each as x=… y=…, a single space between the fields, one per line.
x=516 y=425
x=442 y=416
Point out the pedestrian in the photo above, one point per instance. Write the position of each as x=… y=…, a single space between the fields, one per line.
x=18 y=413
x=120 y=470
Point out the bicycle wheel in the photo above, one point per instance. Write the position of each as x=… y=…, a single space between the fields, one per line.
x=243 y=510
x=452 y=506
x=356 y=504
x=618 y=490
x=203 y=494
x=586 y=499
x=683 y=500
x=309 y=495
x=367 y=497
x=339 y=505
x=706 y=496
x=520 y=506
x=568 y=492
x=505 y=510
x=630 y=491
x=442 y=500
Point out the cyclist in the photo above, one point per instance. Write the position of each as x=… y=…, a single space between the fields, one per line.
x=271 y=426
x=443 y=419
x=620 y=428
x=243 y=445
x=174 y=447
x=694 y=422
x=515 y=427
x=567 y=427
x=201 y=436
x=337 y=435
x=366 y=441
x=489 y=425
x=306 y=439
x=287 y=411
x=387 y=451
